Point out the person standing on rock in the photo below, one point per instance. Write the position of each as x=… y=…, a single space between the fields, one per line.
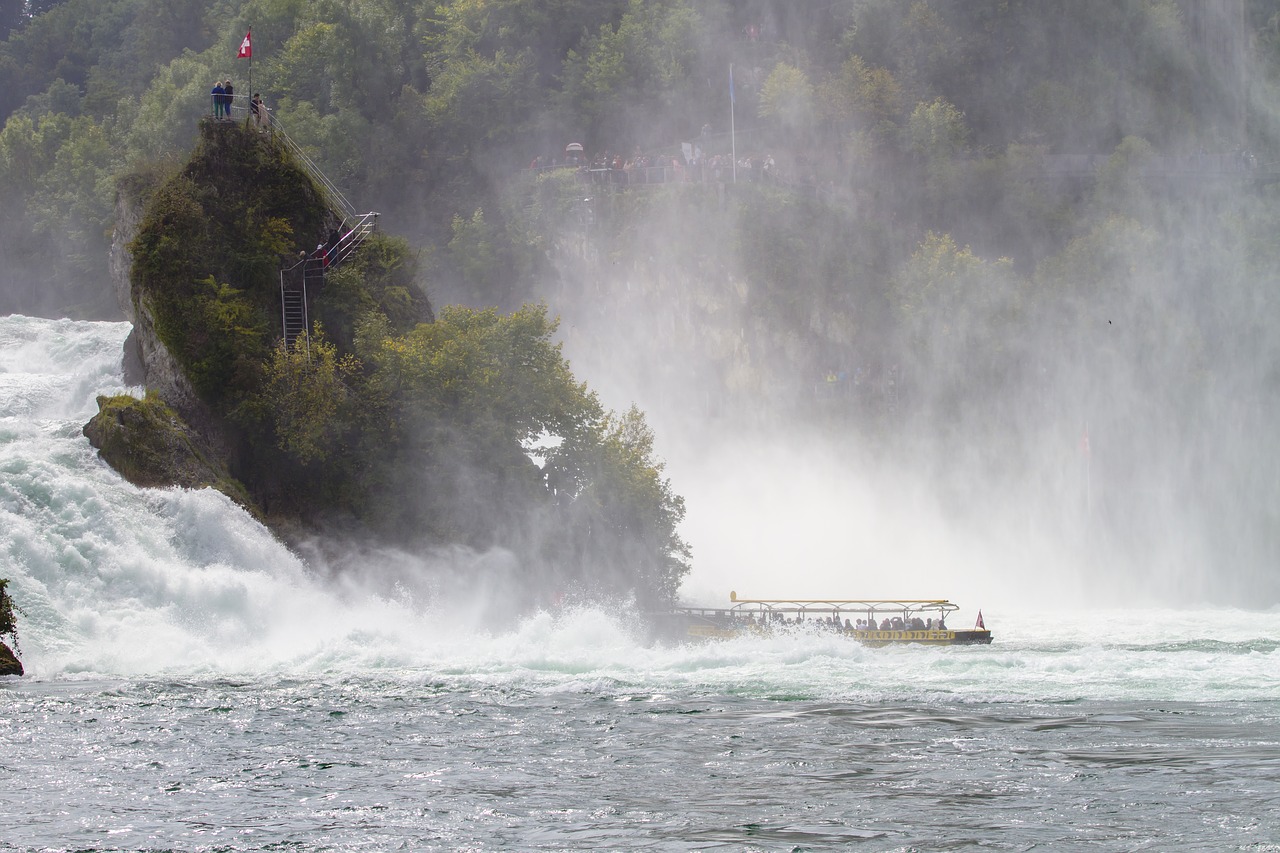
x=258 y=111
x=229 y=97
x=218 y=93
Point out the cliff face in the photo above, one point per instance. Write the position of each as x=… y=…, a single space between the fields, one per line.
x=146 y=359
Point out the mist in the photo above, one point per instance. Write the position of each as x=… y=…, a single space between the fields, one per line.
x=912 y=412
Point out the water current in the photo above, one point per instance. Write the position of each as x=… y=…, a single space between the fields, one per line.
x=192 y=685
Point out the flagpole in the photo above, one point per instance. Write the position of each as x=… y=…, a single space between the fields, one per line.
x=246 y=52
x=733 y=133
x=1088 y=472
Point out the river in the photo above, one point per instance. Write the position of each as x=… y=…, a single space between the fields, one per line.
x=192 y=685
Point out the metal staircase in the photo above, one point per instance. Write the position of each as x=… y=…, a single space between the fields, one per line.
x=301 y=281
x=294 y=308
x=298 y=283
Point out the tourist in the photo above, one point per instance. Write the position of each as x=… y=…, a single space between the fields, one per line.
x=218 y=93
x=258 y=111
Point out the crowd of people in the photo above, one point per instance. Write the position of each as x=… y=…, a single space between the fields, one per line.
x=768 y=620
x=693 y=166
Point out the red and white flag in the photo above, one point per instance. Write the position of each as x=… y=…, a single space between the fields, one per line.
x=980 y=626
x=246 y=47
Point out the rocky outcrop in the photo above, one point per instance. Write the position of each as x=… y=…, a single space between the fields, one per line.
x=147 y=360
x=9 y=663
x=150 y=446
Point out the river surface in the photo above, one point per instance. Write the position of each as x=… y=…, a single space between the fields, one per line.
x=192 y=685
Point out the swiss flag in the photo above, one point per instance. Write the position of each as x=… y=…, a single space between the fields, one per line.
x=246 y=46
x=980 y=626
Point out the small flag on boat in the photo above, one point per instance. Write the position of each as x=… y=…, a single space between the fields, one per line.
x=980 y=626
x=246 y=47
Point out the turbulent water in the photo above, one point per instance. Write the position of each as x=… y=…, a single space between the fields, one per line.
x=192 y=686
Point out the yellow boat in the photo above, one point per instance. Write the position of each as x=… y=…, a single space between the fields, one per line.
x=874 y=622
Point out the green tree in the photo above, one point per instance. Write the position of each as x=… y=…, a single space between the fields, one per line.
x=312 y=398
x=862 y=100
x=787 y=96
x=624 y=513
x=8 y=622
x=76 y=196
x=960 y=317
x=937 y=131
x=474 y=252
x=630 y=80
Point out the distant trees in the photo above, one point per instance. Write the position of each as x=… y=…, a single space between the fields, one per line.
x=911 y=136
x=418 y=107
x=787 y=96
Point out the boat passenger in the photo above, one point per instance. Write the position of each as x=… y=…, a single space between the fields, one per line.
x=884 y=624
x=847 y=626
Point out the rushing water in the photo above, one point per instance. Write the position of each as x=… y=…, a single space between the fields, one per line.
x=192 y=686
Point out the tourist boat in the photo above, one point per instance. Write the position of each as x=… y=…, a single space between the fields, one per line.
x=874 y=622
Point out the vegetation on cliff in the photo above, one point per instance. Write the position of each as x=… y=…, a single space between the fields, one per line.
x=420 y=429
x=9 y=663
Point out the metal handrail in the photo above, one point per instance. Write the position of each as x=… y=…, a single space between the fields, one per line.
x=240 y=107
x=335 y=195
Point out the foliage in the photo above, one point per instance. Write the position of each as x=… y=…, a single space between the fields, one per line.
x=959 y=315
x=8 y=623
x=383 y=278
x=915 y=142
x=863 y=99
x=212 y=305
x=473 y=252
x=467 y=397
x=637 y=67
x=624 y=508
x=499 y=377
x=937 y=130
x=313 y=400
x=787 y=96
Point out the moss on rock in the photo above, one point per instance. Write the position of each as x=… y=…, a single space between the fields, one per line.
x=150 y=446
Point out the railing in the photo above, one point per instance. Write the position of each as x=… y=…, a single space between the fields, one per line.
x=311 y=270
x=355 y=233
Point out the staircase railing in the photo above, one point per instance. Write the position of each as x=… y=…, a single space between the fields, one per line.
x=352 y=234
x=310 y=271
x=241 y=106
x=307 y=274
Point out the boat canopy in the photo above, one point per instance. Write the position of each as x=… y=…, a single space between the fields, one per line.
x=841 y=605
